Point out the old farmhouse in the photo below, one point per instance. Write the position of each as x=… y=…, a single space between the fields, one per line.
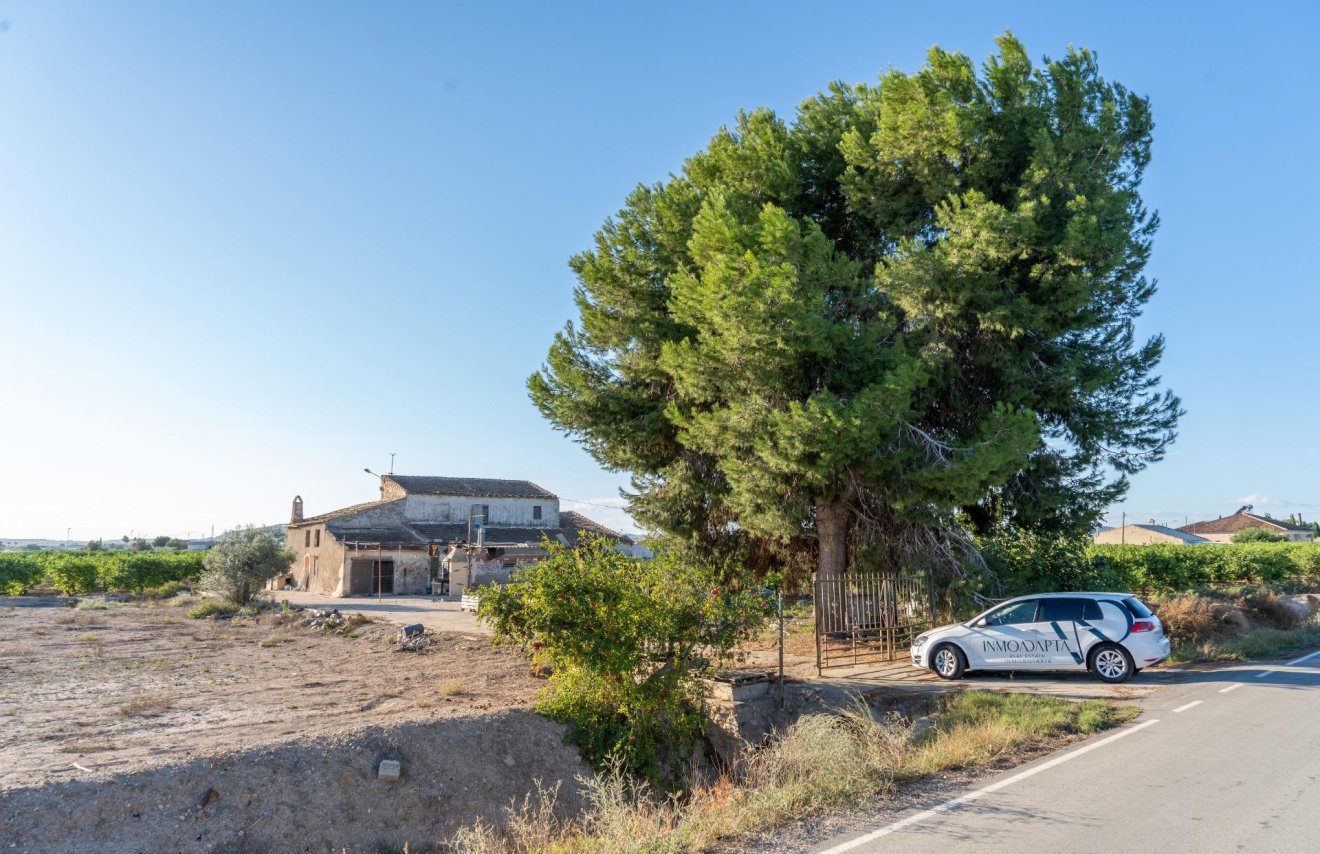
x=427 y=534
x=1221 y=530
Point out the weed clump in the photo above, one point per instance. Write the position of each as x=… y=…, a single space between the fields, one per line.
x=822 y=762
x=213 y=608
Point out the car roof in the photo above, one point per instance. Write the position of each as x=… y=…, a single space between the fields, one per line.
x=1082 y=593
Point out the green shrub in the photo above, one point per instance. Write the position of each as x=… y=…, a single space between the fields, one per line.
x=72 y=575
x=213 y=608
x=241 y=562
x=625 y=641
x=136 y=571
x=1258 y=535
x=1031 y=563
x=168 y=590
x=19 y=573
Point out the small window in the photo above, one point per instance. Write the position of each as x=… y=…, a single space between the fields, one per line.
x=317 y=539
x=477 y=514
x=1018 y=612
x=485 y=512
x=1061 y=610
x=536 y=511
x=307 y=539
x=1137 y=609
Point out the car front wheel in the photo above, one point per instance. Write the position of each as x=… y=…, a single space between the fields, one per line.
x=1111 y=663
x=948 y=662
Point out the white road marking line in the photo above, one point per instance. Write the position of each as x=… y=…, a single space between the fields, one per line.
x=980 y=793
x=1303 y=658
x=1289 y=664
x=1230 y=687
x=1188 y=706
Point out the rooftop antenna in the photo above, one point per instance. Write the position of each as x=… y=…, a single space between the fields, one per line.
x=391 y=462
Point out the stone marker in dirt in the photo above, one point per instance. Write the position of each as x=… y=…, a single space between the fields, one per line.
x=389 y=771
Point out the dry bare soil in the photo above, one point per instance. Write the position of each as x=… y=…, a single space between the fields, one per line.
x=137 y=729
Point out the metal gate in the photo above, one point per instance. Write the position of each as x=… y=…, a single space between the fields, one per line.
x=865 y=617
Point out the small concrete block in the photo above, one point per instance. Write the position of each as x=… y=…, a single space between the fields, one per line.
x=414 y=629
x=389 y=772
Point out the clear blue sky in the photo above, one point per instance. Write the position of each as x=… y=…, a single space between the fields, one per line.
x=247 y=249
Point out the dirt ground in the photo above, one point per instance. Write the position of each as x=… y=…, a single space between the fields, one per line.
x=114 y=724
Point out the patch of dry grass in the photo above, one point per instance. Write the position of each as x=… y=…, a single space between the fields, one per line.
x=148 y=706
x=822 y=762
x=452 y=688
x=1258 y=624
x=75 y=619
x=87 y=746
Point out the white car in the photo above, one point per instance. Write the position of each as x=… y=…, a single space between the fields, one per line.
x=1112 y=635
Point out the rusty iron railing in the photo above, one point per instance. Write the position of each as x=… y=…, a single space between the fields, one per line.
x=867 y=617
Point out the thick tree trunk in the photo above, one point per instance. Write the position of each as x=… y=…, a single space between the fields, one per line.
x=832 y=538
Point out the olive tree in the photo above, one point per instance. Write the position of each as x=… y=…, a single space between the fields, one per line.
x=242 y=561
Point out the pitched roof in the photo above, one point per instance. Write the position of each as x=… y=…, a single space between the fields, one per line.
x=570 y=519
x=1240 y=521
x=385 y=522
x=475 y=487
x=1190 y=539
x=351 y=510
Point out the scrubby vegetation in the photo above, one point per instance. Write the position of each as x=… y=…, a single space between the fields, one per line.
x=625 y=641
x=212 y=608
x=823 y=762
x=1236 y=625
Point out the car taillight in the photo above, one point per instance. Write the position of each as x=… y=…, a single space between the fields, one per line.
x=1143 y=626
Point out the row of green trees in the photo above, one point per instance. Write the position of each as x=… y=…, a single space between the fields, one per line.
x=1173 y=568
x=1030 y=564
x=75 y=574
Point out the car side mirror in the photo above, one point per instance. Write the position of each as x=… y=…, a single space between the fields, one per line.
x=979 y=624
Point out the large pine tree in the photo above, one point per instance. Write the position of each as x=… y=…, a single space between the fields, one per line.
x=908 y=312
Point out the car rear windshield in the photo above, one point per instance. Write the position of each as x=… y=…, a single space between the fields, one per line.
x=1137 y=609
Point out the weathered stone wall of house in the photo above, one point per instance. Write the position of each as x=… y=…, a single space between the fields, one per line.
x=497 y=569
x=316 y=566
x=412 y=568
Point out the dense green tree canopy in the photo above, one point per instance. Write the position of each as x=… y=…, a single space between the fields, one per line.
x=907 y=311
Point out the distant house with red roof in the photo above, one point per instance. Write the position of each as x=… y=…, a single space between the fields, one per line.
x=1221 y=530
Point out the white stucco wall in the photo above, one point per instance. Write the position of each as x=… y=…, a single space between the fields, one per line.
x=503 y=511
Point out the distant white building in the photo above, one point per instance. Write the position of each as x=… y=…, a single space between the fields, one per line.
x=1147 y=535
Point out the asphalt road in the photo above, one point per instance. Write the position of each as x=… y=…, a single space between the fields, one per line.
x=1228 y=761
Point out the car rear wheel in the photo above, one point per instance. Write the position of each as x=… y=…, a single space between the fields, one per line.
x=948 y=663
x=1111 y=663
